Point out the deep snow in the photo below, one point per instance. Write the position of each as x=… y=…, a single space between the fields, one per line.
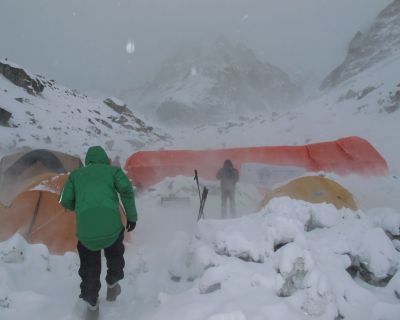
x=222 y=269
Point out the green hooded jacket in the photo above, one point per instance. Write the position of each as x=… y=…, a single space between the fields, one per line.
x=92 y=192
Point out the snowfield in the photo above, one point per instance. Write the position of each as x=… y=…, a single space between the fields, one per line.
x=291 y=260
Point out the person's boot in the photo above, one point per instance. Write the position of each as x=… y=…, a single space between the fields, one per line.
x=92 y=311
x=113 y=291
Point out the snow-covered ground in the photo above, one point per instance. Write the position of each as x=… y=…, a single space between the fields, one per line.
x=287 y=261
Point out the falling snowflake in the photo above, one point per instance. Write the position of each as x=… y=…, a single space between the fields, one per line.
x=130 y=47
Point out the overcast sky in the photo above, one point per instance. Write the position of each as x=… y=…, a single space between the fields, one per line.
x=82 y=43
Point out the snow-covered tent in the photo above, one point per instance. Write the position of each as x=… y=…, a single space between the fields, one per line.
x=19 y=170
x=344 y=156
x=314 y=189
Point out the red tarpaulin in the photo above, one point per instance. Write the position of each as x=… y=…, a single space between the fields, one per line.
x=343 y=156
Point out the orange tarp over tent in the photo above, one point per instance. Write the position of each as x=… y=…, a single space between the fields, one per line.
x=343 y=156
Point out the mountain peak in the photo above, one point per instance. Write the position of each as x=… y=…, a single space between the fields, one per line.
x=212 y=80
x=381 y=41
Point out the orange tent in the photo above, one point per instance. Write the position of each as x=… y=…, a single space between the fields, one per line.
x=30 y=182
x=36 y=214
x=343 y=156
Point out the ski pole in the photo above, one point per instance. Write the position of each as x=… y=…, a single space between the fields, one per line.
x=196 y=178
x=202 y=203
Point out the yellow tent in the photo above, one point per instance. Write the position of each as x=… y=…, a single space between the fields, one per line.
x=314 y=189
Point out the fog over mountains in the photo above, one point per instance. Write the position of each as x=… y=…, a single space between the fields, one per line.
x=213 y=81
x=82 y=44
x=210 y=82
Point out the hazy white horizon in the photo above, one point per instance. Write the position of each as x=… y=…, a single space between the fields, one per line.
x=84 y=44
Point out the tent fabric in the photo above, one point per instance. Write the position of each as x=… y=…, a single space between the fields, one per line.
x=343 y=156
x=267 y=176
x=47 y=158
x=21 y=169
x=37 y=215
x=314 y=189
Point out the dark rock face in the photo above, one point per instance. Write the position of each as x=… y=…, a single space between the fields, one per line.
x=4 y=117
x=365 y=50
x=123 y=109
x=21 y=78
x=394 y=103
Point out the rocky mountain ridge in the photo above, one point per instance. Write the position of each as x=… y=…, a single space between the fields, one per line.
x=39 y=113
x=381 y=41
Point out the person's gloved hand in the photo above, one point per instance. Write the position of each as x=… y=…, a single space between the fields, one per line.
x=130 y=226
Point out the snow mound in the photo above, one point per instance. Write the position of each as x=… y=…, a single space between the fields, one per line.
x=308 y=271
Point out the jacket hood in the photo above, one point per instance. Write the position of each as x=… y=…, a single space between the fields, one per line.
x=228 y=164
x=96 y=155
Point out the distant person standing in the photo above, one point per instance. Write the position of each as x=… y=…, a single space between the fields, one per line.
x=92 y=192
x=229 y=176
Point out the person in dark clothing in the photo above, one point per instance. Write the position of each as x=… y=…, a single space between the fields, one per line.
x=92 y=192
x=228 y=176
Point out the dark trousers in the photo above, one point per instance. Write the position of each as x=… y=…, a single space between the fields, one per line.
x=90 y=268
x=225 y=195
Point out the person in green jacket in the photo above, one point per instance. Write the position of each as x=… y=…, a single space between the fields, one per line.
x=92 y=192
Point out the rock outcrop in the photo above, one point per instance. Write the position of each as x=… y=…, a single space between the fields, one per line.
x=4 y=117
x=21 y=78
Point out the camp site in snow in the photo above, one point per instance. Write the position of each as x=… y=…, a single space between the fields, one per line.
x=200 y=160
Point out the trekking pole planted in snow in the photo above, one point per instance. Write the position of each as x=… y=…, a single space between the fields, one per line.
x=202 y=202
x=196 y=178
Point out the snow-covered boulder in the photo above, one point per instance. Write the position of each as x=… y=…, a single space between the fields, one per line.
x=292 y=266
x=386 y=218
x=378 y=258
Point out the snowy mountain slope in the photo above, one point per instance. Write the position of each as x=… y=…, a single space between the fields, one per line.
x=55 y=117
x=212 y=81
x=381 y=41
